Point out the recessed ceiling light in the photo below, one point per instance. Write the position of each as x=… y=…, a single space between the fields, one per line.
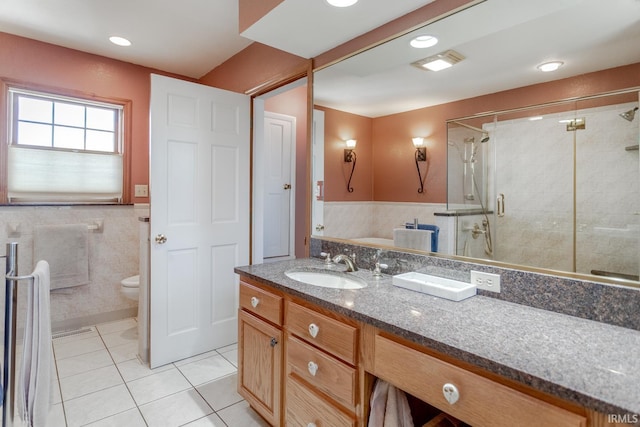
x=440 y=61
x=423 y=41
x=550 y=66
x=120 y=41
x=342 y=3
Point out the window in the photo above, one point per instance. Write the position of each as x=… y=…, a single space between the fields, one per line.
x=63 y=149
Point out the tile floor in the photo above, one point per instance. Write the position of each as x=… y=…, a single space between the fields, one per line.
x=100 y=382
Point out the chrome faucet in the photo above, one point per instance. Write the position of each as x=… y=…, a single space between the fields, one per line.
x=348 y=261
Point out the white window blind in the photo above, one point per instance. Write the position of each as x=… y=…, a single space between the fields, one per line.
x=63 y=176
x=63 y=149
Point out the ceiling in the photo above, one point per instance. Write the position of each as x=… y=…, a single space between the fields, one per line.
x=502 y=40
x=191 y=37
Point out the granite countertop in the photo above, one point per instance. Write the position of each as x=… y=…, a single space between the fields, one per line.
x=592 y=364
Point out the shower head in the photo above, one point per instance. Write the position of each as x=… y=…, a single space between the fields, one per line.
x=629 y=115
x=485 y=138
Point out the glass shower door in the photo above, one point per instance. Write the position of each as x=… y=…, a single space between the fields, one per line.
x=608 y=187
x=533 y=173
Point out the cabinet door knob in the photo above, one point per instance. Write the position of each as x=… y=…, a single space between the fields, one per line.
x=451 y=393
x=161 y=239
x=313 y=330
x=313 y=368
x=273 y=342
x=254 y=302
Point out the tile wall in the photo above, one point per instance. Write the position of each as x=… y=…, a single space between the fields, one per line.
x=113 y=255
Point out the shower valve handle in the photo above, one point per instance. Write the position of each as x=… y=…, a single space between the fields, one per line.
x=500 y=205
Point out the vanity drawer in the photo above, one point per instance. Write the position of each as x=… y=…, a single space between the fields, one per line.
x=305 y=408
x=322 y=331
x=324 y=372
x=481 y=402
x=260 y=302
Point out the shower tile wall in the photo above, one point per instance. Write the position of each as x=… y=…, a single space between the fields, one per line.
x=535 y=173
x=113 y=255
x=348 y=220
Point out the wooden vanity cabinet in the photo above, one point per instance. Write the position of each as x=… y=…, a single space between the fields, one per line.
x=302 y=365
x=260 y=354
x=321 y=368
x=469 y=397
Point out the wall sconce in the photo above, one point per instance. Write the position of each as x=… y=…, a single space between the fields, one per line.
x=350 y=157
x=421 y=156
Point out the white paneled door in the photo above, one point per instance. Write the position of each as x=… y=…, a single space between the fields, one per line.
x=279 y=203
x=199 y=189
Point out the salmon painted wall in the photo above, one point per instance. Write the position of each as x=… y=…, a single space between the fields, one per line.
x=294 y=103
x=338 y=127
x=34 y=62
x=394 y=176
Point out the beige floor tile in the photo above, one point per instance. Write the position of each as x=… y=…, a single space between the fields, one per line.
x=231 y=356
x=205 y=370
x=65 y=349
x=156 y=386
x=176 y=409
x=134 y=369
x=89 y=382
x=241 y=414
x=83 y=363
x=221 y=393
x=209 y=421
x=124 y=352
x=130 y=418
x=117 y=326
x=195 y=358
x=96 y=406
x=227 y=348
x=118 y=338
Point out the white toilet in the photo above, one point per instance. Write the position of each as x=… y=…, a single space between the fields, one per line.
x=130 y=287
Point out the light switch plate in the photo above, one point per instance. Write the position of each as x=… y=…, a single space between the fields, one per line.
x=141 y=190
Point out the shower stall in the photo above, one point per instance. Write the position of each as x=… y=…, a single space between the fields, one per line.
x=553 y=186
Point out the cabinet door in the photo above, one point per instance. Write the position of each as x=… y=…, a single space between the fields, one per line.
x=260 y=365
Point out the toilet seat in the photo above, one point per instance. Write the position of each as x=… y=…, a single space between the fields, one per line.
x=131 y=282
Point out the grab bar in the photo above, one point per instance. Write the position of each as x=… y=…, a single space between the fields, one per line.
x=9 y=359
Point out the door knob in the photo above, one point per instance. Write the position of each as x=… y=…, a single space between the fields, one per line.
x=161 y=238
x=287 y=186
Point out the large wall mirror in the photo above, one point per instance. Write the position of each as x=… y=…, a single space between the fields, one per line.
x=492 y=157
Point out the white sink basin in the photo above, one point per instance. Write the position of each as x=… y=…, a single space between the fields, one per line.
x=434 y=285
x=326 y=279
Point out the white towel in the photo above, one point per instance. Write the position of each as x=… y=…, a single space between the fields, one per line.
x=389 y=407
x=412 y=239
x=34 y=380
x=66 y=248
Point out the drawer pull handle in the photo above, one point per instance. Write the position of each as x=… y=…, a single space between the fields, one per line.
x=273 y=342
x=450 y=393
x=313 y=368
x=313 y=330
x=254 y=302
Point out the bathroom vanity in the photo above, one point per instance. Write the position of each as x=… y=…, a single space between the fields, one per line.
x=309 y=356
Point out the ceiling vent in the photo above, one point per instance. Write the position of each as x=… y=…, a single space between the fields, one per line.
x=440 y=61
